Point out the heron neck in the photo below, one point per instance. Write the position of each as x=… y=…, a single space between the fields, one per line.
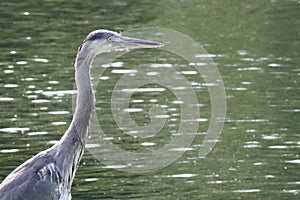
x=75 y=138
x=84 y=103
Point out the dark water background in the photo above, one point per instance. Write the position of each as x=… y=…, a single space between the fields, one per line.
x=256 y=46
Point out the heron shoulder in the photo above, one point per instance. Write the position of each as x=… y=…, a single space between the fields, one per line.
x=37 y=178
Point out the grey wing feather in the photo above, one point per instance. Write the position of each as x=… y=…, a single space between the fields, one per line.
x=43 y=182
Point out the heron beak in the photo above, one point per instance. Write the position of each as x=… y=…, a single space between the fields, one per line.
x=133 y=43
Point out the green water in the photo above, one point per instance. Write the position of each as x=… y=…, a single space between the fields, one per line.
x=256 y=46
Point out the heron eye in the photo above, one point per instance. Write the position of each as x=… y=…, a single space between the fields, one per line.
x=109 y=39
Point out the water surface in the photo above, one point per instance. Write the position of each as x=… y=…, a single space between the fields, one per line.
x=256 y=47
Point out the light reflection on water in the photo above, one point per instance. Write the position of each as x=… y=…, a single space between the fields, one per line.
x=49 y=96
x=258 y=153
x=14 y=130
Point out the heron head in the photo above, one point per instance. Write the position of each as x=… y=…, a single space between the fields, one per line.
x=104 y=41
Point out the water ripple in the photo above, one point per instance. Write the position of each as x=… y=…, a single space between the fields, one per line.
x=247 y=191
x=9 y=150
x=6 y=99
x=14 y=130
x=293 y=161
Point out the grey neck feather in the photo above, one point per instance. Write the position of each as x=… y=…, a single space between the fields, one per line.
x=78 y=129
x=70 y=148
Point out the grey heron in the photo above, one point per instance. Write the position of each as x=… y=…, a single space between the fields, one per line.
x=50 y=173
